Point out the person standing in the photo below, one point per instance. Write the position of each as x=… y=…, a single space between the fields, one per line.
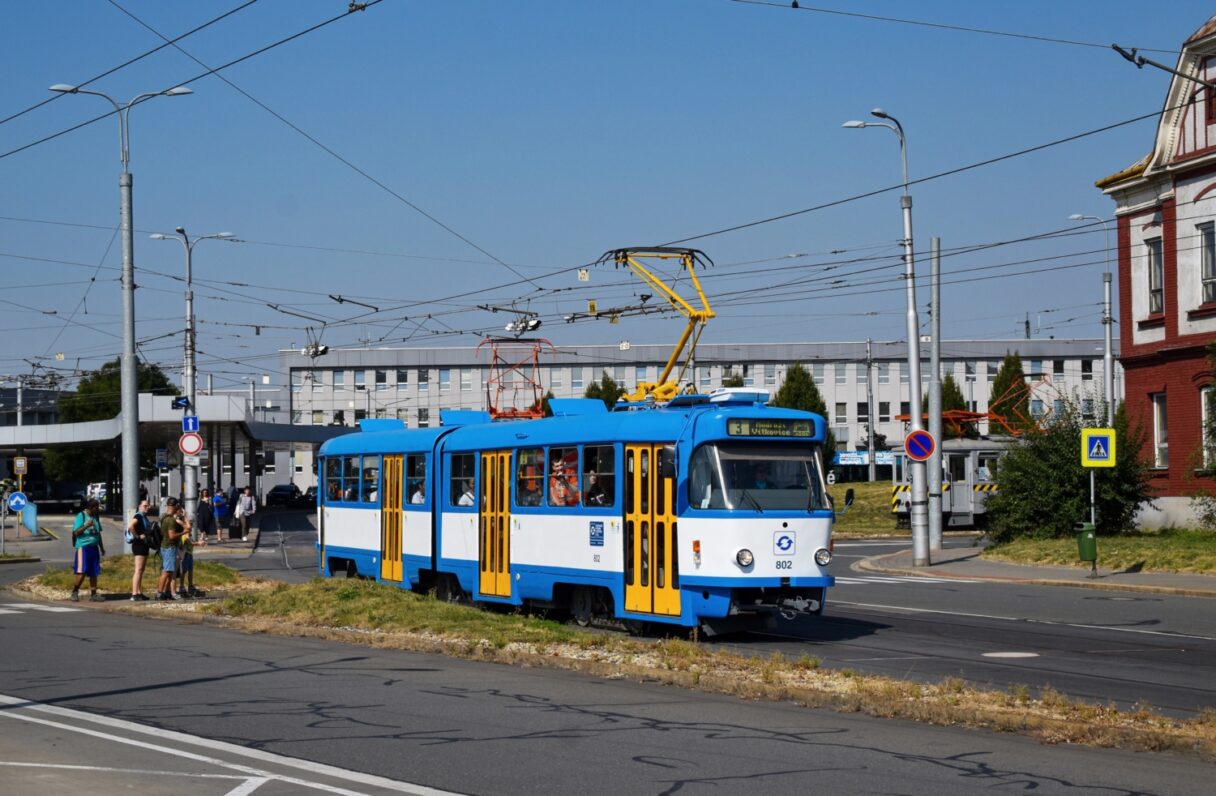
x=246 y=507
x=171 y=531
x=86 y=539
x=140 y=532
x=204 y=515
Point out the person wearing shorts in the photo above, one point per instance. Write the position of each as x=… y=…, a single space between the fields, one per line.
x=171 y=532
x=140 y=532
x=86 y=539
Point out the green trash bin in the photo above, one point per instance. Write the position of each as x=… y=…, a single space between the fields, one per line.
x=1087 y=542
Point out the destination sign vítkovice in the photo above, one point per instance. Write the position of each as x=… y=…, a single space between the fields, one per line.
x=738 y=427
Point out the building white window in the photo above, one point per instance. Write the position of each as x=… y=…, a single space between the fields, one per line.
x=424 y=417
x=318 y=382
x=842 y=373
x=576 y=378
x=1161 y=431
x=618 y=374
x=749 y=376
x=884 y=411
x=381 y=379
x=403 y=378
x=863 y=412
x=381 y=413
x=318 y=417
x=1156 y=276
x=639 y=374
x=1036 y=369
x=884 y=372
x=1207 y=431
x=770 y=374
x=1057 y=406
x=1087 y=370
x=297 y=416
x=360 y=379
x=297 y=380
x=1036 y=407
x=705 y=377
x=817 y=372
x=403 y=415
x=556 y=378
x=1207 y=248
x=993 y=367
x=842 y=413
x=360 y=414
x=1057 y=369
x=1087 y=407
x=424 y=380
x=445 y=379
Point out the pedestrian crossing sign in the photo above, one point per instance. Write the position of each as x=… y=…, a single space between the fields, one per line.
x=1097 y=447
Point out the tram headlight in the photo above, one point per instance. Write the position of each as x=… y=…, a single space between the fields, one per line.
x=744 y=557
x=823 y=556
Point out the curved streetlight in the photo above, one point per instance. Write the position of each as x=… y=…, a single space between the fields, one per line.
x=919 y=504
x=189 y=376
x=1108 y=358
x=128 y=374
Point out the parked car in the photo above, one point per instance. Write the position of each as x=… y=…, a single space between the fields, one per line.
x=284 y=495
x=310 y=496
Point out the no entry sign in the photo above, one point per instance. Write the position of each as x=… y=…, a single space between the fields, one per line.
x=919 y=445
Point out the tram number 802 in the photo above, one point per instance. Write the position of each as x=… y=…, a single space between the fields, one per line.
x=786 y=564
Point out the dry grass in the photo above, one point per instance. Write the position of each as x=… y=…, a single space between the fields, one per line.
x=870 y=514
x=385 y=617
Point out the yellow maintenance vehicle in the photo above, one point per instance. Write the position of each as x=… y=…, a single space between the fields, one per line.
x=667 y=387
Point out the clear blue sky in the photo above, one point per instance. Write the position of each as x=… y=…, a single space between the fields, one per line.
x=546 y=132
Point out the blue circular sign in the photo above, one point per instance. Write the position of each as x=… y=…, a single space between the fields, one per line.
x=17 y=501
x=919 y=445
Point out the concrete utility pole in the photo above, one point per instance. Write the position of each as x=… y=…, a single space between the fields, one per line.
x=189 y=373
x=870 y=409
x=1108 y=322
x=935 y=397
x=128 y=372
x=919 y=503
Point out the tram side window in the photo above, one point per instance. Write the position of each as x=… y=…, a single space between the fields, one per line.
x=350 y=478
x=460 y=490
x=415 y=478
x=370 y=492
x=529 y=476
x=563 y=478
x=987 y=468
x=599 y=475
x=333 y=479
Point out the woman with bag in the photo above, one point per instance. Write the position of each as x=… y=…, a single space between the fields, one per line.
x=138 y=536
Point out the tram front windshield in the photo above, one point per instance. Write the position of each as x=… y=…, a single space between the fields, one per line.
x=755 y=477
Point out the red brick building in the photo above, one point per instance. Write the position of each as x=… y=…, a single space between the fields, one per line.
x=1166 y=217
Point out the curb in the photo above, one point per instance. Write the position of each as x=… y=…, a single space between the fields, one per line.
x=874 y=564
x=20 y=560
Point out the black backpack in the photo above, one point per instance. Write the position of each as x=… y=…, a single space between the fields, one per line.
x=154 y=536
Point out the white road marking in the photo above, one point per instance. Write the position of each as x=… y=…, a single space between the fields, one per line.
x=887 y=579
x=169 y=742
x=55 y=609
x=873 y=544
x=907 y=609
x=1010 y=654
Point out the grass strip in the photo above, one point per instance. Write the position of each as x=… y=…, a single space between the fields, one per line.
x=1164 y=551
x=116 y=572
x=870 y=514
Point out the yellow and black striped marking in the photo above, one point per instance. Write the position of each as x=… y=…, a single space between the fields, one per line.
x=984 y=488
x=895 y=490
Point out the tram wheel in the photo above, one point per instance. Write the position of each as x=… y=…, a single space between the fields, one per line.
x=582 y=606
x=447 y=590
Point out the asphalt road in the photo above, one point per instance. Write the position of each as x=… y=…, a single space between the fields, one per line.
x=461 y=726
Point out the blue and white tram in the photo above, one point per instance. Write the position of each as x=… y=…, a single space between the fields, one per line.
x=709 y=511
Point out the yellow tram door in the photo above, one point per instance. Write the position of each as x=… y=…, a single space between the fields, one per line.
x=652 y=581
x=494 y=525
x=391 y=520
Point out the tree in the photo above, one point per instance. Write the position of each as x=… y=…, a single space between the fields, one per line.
x=607 y=390
x=1044 y=489
x=731 y=379
x=98 y=396
x=1010 y=396
x=798 y=391
x=952 y=399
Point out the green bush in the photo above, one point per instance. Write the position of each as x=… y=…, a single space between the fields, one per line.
x=1045 y=490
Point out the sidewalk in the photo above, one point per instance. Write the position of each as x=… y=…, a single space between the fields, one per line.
x=965 y=562
x=44 y=548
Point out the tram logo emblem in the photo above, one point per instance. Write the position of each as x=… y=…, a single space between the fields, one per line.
x=596 y=534
x=783 y=543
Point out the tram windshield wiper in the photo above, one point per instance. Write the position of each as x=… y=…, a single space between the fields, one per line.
x=743 y=493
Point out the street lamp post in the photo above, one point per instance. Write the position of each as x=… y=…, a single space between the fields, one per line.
x=1108 y=358
x=128 y=373
x=920 y=497
x=189 y=374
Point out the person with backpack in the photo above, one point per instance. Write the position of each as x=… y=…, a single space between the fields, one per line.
x=86 y=539
x=172 y=530
x=139 y=536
